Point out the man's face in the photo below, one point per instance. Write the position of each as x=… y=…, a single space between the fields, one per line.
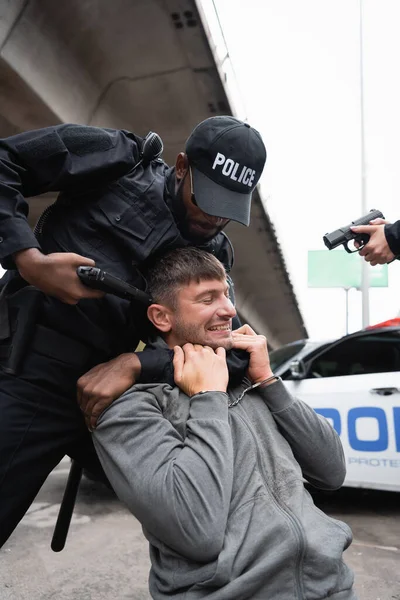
x=203 y=315
x=199 y=225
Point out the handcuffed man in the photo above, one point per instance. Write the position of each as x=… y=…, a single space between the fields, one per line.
x=214 y=472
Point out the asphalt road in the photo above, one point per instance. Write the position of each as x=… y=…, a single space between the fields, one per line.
x=106 y=556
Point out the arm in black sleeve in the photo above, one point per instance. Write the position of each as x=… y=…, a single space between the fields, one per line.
x=157 y=366
x=55 y=159
x=392 y=233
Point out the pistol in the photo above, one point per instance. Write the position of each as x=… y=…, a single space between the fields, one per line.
x=101 y=280
x=344 y=235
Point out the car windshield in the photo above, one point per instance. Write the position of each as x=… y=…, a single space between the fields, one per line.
x=281 y=355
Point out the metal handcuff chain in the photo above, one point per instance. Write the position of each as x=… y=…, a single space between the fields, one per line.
x=252 y=387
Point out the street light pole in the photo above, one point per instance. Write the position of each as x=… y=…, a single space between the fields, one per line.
x=364 y=264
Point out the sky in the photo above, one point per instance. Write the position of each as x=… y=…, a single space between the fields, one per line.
x=294 y=72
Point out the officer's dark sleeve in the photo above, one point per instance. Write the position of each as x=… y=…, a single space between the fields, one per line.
x=157 y=366
x=55 y=159
x=392 y=233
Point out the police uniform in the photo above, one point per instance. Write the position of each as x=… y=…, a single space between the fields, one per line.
x=120 y=212
x=106 y=211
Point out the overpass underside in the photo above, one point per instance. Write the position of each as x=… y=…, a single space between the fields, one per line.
x=139 y=65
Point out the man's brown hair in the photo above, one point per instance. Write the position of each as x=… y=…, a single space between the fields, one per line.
x=179 y=268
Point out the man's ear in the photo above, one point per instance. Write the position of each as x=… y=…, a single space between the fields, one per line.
x=181 y=166
x=160 y=316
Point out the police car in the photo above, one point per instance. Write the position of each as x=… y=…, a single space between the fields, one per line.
x=355 y=383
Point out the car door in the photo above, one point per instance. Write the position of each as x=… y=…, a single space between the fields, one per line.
x=355 y=383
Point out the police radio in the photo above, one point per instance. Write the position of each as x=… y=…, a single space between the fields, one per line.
x=152 y=148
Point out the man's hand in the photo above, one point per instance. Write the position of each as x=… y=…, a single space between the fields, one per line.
x=376 y=251
x=100 y=386
x=245 y=338
x=55 y=274
x=200 y=368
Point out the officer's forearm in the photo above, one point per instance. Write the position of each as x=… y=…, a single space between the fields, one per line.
x=16 y=241
x=106 y=382
x=27 y=258
x=156 y=366
x=126 y=365
x=131 y=361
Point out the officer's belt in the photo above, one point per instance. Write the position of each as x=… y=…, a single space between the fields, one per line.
x=53 y=344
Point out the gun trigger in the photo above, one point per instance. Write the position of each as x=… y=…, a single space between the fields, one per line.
x=361 y=239
x=347 y=248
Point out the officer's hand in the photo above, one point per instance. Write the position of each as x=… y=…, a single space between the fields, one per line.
x=376 y=251
x=200 y=368
x=378 y=221
x=245 y=338
x=55 y=274
x=100 y=386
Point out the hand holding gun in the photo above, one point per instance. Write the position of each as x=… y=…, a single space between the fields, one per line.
x=345 y=234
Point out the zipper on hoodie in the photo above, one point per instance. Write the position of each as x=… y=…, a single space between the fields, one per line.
x=284 y=510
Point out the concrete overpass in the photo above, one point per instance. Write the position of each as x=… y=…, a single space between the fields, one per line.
x=140 y=65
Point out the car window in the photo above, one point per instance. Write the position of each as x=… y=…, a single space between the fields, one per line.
x=280 y=356
x=367 y=354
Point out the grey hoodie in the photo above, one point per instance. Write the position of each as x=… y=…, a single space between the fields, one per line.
x=219 y=492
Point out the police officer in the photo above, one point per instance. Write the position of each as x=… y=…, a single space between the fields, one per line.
x=116 y=212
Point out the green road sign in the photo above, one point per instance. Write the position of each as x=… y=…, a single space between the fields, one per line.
x=337 y=268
